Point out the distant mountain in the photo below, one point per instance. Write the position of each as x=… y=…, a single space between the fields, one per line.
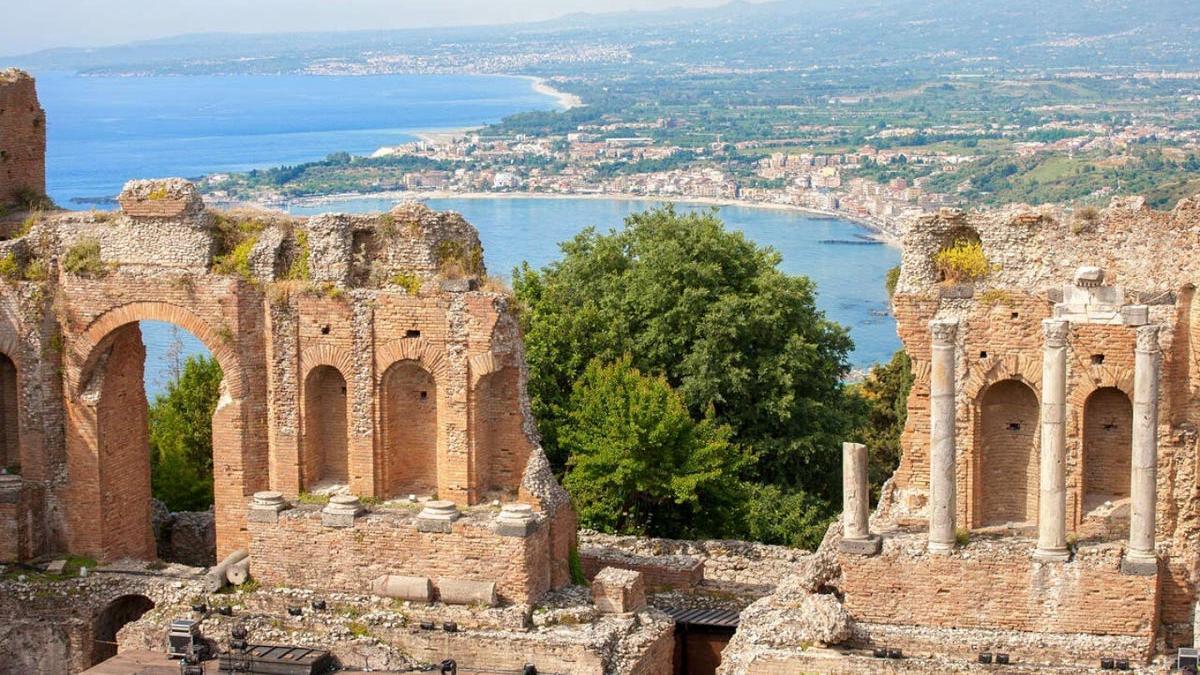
x=942 y=35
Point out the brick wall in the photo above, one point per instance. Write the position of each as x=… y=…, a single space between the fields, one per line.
x=22 y=137
x=1107 y=446
x=500 y=442
x=299 y=551
x=1008 y=458
x=409 y=400
x=996 y=585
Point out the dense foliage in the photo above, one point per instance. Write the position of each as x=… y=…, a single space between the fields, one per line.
x=181 y=436
x=638 y=462
x=884 y=393
x=741 y=344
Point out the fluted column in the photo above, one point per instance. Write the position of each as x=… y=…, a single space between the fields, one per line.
x=941 y=437
x=1140 y=557
x=1052 y=496
x=856 y=497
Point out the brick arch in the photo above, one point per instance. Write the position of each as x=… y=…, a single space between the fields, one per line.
x=1100 y=377
x=1007 y=367
x=84 y=352
x=326 y=355
x=11 y=348
x=411 y=349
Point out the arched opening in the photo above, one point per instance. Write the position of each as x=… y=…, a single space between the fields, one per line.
x=10 y=434
x=1107 y=447
x=326 y=459
x=501 y=449
x=143 y=427
x=111 y=620
x=410 y=429
x=1008 y=454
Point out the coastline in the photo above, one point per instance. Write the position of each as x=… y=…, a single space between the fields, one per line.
x=877 y=229
x=565 y=100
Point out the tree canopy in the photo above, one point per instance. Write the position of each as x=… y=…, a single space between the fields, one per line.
x=741 y=343
x=181 y=468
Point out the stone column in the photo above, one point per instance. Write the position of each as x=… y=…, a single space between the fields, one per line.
x=942 y=473
x=856 y=497
x=1140 y=557
x=1052 y=496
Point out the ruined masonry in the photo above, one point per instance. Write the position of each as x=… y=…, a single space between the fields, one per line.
x=1045 y=505
x=373 y=422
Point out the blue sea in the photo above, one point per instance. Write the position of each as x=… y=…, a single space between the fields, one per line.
x=103 y=131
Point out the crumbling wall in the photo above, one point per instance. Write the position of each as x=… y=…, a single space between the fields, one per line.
x=22 y=138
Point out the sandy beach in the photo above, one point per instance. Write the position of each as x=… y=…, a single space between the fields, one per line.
x=565 y=101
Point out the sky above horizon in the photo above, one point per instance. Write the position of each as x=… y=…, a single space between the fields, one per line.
x=32 y=25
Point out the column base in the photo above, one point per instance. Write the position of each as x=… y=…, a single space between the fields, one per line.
x=941 y=548
x=1051 y=554
x=869 y=546
x=1139 y=565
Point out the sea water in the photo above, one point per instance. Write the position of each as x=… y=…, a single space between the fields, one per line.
x=103 y=131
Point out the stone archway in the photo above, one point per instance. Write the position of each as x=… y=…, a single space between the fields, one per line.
x=10 y=433
x=409 y=421
x=1107 y=446
x=1007 y=451
x=501 y=448
x=108 y=494
x=326 y=448
x=111 y=620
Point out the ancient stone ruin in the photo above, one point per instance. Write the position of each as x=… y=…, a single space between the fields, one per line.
x=1045 y=505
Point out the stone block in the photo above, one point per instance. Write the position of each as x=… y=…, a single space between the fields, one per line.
x=617 y=591
x=239 y=572
x=457 y=285
x=869 y=546
x=957 y=291
x=169 y=198
x=56 y=566
x=1139 y=568
x=341 y=511
x=1156 y=298
x=437 y=516
x=1135 y=315
x=266 y=506
x=1088 y=275
x=466 y=592
x=516 y=520
x=412 y=589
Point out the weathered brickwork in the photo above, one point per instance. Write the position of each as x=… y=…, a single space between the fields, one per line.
x=22 y=138
x=358 y=355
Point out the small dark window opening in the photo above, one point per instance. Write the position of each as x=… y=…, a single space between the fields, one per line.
x=983 y=355
x=424 y=395
x=1110 y=427
x=1014 y=426
x=325 y=329
x=343 y=391
x=1016 y=315
x=412 y=333
x=1097 y=359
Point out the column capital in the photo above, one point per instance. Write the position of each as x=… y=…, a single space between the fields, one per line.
x=1056 y=331
x=1147 y=338
x=944 y=331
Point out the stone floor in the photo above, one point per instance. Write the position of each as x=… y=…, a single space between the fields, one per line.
x=156 y=663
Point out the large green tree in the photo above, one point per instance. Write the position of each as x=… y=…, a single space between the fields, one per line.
x=884 y=393
x=710 y=312
x=181 y=464
x=640 y=464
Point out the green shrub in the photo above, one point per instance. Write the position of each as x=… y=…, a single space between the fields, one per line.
x=32 y=200
x=962 y=537
x=408 y=281
x=235 y=240
x=962 y=262
x=890 y=281
x=299 y=271
x=575 y=567
x=83 y=259
x=10 y=267
x=456 y=260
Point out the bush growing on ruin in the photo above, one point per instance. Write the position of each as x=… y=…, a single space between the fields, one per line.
x=83 y=259
x=639 y=463
x=712 y=314
x=181 y=436
x=961 y=262
x=796 y=519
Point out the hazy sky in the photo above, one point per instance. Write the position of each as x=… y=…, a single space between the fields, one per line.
x=29 y=25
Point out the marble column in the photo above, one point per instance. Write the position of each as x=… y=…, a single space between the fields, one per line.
x=1052 y=495
x=942 y=473
x=1140 y=557
x=856 y=497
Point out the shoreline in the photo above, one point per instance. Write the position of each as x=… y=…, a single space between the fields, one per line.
x=541 y=85
x=877 y=229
